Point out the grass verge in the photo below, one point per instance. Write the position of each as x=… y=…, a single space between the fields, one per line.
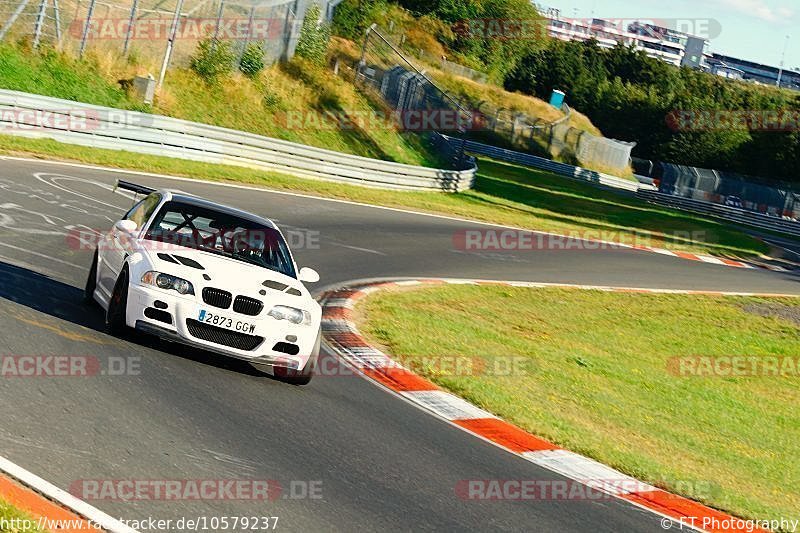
x=295 y=101
x=504 y=194
x=13 y=520
x=599 y=377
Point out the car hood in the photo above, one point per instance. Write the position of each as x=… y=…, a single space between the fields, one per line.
x=225 y=273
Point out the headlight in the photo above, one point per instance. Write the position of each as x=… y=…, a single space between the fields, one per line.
x=295 y=316
x=165 y=281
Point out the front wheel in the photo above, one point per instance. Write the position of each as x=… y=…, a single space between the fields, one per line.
x=117 y=306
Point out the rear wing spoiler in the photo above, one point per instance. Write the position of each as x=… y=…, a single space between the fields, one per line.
x=133 y=187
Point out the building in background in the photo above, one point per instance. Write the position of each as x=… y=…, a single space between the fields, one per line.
x=723 y=69
x=669 y=45
x=721 y=64
x=674 y=47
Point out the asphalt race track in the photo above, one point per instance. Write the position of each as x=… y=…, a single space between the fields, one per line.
x=189 y=415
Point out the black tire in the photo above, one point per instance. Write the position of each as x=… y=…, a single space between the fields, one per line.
x=301 y=377
x=91 y=283
x=117 y=305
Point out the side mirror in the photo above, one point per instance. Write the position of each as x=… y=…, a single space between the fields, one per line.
x=125 y=226
x=308 y=275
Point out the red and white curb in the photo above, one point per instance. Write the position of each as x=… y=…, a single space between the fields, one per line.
x=711 y=259
x=342 y=336
x=49 y=504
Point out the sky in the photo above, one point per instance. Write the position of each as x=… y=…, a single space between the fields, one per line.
x=747 y=29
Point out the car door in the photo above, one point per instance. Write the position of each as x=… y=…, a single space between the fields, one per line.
x=118 y=245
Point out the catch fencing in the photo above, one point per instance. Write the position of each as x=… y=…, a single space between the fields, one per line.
x=562 y=169
x=154 y=33
x=730 y=214
x=396 y=34
x=755 y=194
x=385 y=70
x=386 y=66
x=70 y=122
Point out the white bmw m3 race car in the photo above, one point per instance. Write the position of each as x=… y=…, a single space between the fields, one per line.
x=196 y=272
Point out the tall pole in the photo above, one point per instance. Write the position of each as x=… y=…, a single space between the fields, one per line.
x=170 y=42
x=363 y=62
x=14 y=16
x=249 y=31
x=57 y=15
x=218 y=24
x=37 y=29
x=131 y=22
x=86 y=27
x=783 y=59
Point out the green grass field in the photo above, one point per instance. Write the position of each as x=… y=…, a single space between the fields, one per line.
x=504 y=194
x=11 y=516
x=598 y=377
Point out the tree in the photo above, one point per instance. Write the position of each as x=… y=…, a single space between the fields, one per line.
x=212 y=59
x=314 y=37
x=252 y=61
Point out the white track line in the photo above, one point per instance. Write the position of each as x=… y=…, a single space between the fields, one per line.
x=44 y=256
x=63 y=497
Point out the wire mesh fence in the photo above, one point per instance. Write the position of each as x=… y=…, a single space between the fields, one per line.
x=148 y=31
x=421 y=102
x=752 y=193
x=417 y=102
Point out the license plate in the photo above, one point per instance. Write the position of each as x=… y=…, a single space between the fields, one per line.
x=222 y=321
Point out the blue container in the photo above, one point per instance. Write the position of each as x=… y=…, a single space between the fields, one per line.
x=557 y=99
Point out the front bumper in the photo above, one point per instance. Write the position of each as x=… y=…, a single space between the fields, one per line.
x=183 y=308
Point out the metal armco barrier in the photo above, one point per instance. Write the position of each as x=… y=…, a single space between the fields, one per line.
x=71 y=122
x=541 y=163
x=731 y=214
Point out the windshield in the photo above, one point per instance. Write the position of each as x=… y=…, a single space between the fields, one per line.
x=223 y=234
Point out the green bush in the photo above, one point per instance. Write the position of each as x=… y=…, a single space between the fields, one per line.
x=314 y=37
x=252 y=59
x=272 y=101
x=352 y=17
x=212 y=59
